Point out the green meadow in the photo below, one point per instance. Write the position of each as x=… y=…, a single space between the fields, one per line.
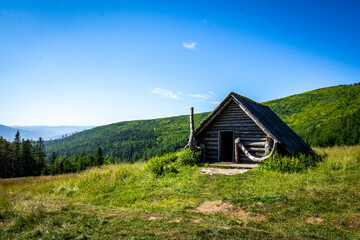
x=126 y=201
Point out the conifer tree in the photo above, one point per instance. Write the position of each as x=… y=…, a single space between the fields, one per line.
x=40 y=157
x=99 y=158
x=82 y=163
x=52 y=158
x=77 y=162
x=27 y=158
x=90 y=160
x=17 y=163
x=7 y=158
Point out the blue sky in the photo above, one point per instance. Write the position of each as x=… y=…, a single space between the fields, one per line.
x=100 y=62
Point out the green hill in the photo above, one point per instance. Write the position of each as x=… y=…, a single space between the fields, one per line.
x=322 y=117
x=129 y=141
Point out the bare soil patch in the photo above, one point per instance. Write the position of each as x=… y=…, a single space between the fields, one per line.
x=314 y=220
x=154 y=218
x=175 y=220
x=213 y=207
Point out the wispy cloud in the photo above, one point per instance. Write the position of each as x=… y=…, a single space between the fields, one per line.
x=189 y=45
x=199 y=95
x=216 y=103
x=211 y=92
x=164 y=92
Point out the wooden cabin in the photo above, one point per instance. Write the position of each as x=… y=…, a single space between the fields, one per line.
x=254 y=126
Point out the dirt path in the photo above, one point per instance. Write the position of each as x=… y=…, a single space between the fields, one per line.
x=212 y=171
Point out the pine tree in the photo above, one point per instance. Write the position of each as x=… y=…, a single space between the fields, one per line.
x=99 y=158
x=17 y=163
x=7 y=158
x=27 y=158
x=40 y=157
x=82 y=163
x=90 y=160
x=77 y=162
x=52 y=158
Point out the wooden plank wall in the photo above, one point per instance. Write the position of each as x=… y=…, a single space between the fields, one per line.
x=235 y=119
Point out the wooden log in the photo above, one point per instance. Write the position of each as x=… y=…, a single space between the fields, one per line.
x=237 y=151
x=213 y=132
x=212 y=157
x=254 y=144
x=251 y=156
x=235 y=128
x=207 y=139
x=251 y=132
x=212 y=151
x=255 y=149
x=232 y=116
x=211 y=147
x=257 y=139
x=249 y=135
x=209 y=143
x=235 y=125
x=234 y=121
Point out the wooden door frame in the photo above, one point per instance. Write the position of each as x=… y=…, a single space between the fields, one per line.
x=219 y=143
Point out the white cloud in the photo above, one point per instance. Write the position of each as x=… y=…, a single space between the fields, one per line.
x=216 y=103
x=211 y=92
x=189 y=45
x=164 y=93
x=198 y=95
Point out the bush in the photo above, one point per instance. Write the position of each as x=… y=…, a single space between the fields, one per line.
x=190 y=158
x=161 y=165
x=291 y=164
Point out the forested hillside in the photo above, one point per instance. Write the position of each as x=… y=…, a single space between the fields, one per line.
x=322 y=117
x=129 y=141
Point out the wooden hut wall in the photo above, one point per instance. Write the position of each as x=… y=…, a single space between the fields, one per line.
x=232 y=118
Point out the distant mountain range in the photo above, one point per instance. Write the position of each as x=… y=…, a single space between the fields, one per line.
x=45 y=132
x=322 y=117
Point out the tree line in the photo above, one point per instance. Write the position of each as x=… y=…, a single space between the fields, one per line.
x=129 y=141
x=23 y=158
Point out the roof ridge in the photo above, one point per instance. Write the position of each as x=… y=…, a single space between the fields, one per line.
x=248 y=99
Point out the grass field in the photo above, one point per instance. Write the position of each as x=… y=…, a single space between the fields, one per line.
x=127 y=202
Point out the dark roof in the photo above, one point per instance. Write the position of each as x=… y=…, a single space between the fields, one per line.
x=266 y=119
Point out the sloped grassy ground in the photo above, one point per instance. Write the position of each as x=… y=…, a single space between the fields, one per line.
x=127 y=202
x=323 y=117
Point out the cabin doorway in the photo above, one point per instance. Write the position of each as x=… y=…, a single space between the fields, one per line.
x=226 y=146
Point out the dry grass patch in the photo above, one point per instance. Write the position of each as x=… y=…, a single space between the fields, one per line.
x=225 y=207
x=244 y=214
x=314 y=220
x=198 y=220
x=154 y=218
x=214 y=207
x=175 y=220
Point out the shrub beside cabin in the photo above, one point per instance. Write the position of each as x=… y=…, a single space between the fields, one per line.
x=242 y=130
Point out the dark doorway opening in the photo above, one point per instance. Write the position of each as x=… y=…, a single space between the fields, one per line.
x=226 y=146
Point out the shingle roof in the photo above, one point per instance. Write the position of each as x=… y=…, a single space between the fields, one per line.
x=266 y=119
